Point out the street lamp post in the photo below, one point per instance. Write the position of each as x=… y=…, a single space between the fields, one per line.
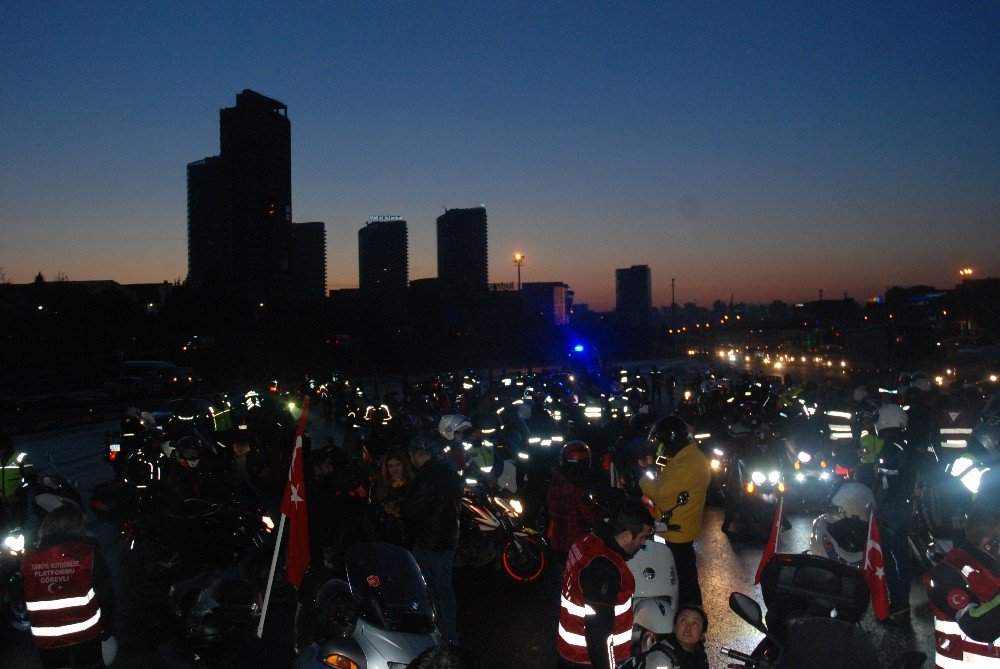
x=518 y=260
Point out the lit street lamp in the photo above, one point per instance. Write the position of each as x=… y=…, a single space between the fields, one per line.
x=518 y=260
x=965 y=272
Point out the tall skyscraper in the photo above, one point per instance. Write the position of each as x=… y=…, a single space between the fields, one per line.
x=240 y=238
x=309 y=260
x=383 y=255
x=633 y=293
x=462 y=249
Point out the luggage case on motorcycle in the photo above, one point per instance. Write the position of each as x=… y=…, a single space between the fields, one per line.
x=796 y=586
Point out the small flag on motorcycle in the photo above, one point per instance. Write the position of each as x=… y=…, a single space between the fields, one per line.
x=875 y=571
x=772 y=542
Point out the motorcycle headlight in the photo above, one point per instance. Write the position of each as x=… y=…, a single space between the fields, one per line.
x=14 y=543
x=804 y=457
x=758 y=477
x=961 y=466
x=267 y=522
x=517 y=506
x=971 y=479
x=773 y=477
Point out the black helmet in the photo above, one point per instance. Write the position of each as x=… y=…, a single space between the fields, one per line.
x=189 y=450
x=574 y=459
x=670 y=432
x=641 y=422
x=336 y=611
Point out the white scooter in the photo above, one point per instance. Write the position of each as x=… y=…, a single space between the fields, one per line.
x=656 y=587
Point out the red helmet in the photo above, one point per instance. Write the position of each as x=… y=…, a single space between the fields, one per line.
x=575 y=456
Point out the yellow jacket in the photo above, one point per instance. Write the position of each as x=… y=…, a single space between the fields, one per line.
x=688 y=470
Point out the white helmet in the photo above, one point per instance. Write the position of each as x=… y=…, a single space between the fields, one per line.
x=890 y=416
x=840 y=539
x=449 y=425
x=854 y=499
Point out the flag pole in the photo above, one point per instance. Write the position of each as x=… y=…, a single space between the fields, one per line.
x=270 y=576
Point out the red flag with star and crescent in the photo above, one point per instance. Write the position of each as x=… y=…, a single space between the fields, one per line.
x=293 y=505
x=772 y=542
x=875 y=571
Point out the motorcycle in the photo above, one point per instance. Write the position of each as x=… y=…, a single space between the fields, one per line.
x=163 y=549
x=656 y=584
x=380 y=618
x=492 y=530
x=842 y=534
x=813 y=607
x=11 y=580
x=52 y=490
x=754 y=485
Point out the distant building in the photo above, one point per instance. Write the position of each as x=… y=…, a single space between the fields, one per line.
x=309 y=260
x=383 y=256
x=240 y=237
x=633 y=293
x=462 y=248
x=549 y=298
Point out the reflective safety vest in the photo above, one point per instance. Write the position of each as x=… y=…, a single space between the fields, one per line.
x=59 y=594
x=12 y=473
x=953 y=649
x=871 y=446
x=572 y=642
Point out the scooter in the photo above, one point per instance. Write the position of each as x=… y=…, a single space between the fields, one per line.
x=656 y=586
x=381 y=617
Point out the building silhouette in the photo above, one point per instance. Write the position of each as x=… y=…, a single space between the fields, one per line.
x=241 y=241
x=462 y=249
x=383 y=256
x=309 y=260
x=550 y=299
x=633 y=293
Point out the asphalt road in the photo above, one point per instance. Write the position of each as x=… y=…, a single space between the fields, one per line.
x=506 y=624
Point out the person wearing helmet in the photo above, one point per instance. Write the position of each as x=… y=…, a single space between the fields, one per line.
x=570 y=516
x=893 y=492
x=192 y=476
x=869 y=446
x=16 y=471
x=682 y=468
x=453 y=430
x=964 y=591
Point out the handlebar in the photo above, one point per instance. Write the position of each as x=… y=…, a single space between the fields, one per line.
x=736 y=655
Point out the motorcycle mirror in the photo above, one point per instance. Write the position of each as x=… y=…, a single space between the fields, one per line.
x=683 y=497
x=748 y=609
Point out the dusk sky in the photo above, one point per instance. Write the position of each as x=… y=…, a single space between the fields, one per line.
x=763 y=149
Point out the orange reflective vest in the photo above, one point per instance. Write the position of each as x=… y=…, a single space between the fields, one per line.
x=59 y=593
x=572 y=642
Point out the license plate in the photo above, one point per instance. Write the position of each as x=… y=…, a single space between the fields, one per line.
x=115 y=448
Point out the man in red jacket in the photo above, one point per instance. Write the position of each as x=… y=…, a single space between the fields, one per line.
x=964 y=590
x=595 y=617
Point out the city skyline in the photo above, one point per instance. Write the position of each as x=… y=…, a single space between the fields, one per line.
x=765 y=152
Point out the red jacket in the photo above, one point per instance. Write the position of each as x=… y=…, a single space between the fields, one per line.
x=964 y=578
x=572 y=643
x=60 y=597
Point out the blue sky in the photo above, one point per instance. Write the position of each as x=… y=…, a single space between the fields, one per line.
x=767 y=150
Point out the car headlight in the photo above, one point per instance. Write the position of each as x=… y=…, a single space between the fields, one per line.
x=14 y=543
x=804 y=457
x=758 y=477
x=773 y=477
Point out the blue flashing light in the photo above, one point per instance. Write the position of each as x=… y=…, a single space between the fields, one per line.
x=578 y=348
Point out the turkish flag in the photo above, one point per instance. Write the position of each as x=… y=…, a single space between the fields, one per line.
x=293 y=505
x=772 y=542
x=875 y=571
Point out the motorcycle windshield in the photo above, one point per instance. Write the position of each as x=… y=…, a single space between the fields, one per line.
x=389 y=588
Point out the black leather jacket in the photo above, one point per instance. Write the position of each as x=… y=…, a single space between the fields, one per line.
x=430 y=510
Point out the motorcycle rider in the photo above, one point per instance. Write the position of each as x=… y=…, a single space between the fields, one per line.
x=684 y=468
x=570 y=516
x=964 y=591
x=595 y=618
x=430 y=513
x=16 y=471
x=741 y=433
x=452 y=429
x=893 y=493
x=69 y=593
